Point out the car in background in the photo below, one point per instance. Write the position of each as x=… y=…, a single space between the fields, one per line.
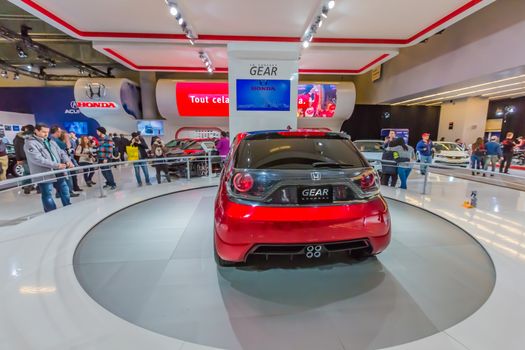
x=304 y=192
x=195 y=149
x=372 y=150
x=450 y=153
x=13 y=169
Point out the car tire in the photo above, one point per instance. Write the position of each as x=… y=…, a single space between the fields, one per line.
x=201 y=169
x=17 y=170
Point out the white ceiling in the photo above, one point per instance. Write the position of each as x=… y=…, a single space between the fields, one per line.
x=143 y=28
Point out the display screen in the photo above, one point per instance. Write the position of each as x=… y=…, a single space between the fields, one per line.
x=263 y=95
x=79 y=128
x=203 y=99
x=150 y=127
x=316 y=100
x=399 y=133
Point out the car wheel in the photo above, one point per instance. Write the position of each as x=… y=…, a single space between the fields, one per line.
x=202 y=169
x=18 y=170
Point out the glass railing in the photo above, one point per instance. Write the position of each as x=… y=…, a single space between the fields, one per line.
x=21 y=199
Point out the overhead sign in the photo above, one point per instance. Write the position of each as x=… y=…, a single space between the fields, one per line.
x=376 y=73
x=202 y=99
x=96 y=105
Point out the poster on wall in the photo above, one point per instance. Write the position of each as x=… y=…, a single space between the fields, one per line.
x=316 y=100
x=203 y=99
x=263 y=95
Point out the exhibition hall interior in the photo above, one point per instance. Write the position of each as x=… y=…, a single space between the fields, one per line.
x=241 y=174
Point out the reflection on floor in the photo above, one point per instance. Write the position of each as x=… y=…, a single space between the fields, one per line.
x=152 y=264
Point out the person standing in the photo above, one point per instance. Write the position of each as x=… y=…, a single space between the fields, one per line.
x=137 y=141
x=105 y=155
x=403 y=156
x=85 y=156
x=124 y=142
x=424 y=150
x=476 y=155
x=507 y=149
x=461 y=144
x=4 y=159
x=20 y=154
x=159 y=152
x=223 y=145
x=494 y=153
x=44 y=155
x=391 y=137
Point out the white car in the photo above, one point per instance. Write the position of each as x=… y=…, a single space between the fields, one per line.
x=450 y=153
x=372 y=150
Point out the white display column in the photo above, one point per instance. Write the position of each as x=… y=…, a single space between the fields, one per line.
x=262 y=80
x=463 y=119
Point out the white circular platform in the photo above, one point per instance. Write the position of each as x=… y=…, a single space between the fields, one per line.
x=152 y=265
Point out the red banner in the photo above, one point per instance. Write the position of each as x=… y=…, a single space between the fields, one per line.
x=203 y=99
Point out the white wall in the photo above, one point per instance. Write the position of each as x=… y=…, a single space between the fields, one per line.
x=474 y=50
x=284 y=58
x=469 y=117
x=11 y=118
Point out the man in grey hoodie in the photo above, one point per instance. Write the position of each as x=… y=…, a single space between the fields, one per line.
x=44 y=155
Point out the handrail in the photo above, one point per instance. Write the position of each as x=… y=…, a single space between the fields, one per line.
x=5 y=185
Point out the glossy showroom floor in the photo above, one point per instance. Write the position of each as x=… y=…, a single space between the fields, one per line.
x=144 y=278
x=152 y=264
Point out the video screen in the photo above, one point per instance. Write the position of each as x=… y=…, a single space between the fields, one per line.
x=316 y=100
x=150 y=127
x=79 y=128
x=263 y=95
x=404 y=133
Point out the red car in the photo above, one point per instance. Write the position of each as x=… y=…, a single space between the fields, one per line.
x=304 y=192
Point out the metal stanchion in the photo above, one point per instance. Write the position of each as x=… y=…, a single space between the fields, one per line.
x=100 y=183
x=427 y=170
x=188 y=175
x=210 y=170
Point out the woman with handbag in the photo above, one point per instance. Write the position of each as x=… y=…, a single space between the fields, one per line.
x=85 y=152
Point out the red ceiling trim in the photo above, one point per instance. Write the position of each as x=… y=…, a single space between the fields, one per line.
x=209 y=37
x=171 y=68
x=126 y=60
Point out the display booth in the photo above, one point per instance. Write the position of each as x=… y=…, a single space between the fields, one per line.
x=114 y=103
x=200 y=105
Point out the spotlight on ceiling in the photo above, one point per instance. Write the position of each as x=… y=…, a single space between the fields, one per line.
x=324 y=12
x=510 y=109
x=29 y=67
x=4 y=74
x=173 y=10
x=331 y=4
x=306 y=43
x=16 y=76
x=181 y=21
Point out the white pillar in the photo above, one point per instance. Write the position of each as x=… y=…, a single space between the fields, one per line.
x=468 y=118
x=267 y=75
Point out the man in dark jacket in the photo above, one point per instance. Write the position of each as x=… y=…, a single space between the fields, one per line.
x=507 y=148
x=424 y=150
x=123 y=143
x=138 y=141
x=20 y=154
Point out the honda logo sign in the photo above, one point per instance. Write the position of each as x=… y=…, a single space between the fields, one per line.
x=316 y=176
x=101 y=105
x=95 y=91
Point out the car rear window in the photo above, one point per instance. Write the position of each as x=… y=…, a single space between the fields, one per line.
x=297 y=153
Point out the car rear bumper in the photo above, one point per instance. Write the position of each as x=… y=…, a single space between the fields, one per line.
x=240 y=229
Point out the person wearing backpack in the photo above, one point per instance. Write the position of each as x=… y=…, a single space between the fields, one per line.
x=159 y=152
x=105 y=154
x=388 y=169
x=403 y=155
x=4 y=160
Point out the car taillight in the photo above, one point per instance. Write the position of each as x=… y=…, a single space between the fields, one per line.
x=368 y=181
x=243 y=182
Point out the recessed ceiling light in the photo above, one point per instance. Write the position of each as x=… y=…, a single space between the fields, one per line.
x=331 y=4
